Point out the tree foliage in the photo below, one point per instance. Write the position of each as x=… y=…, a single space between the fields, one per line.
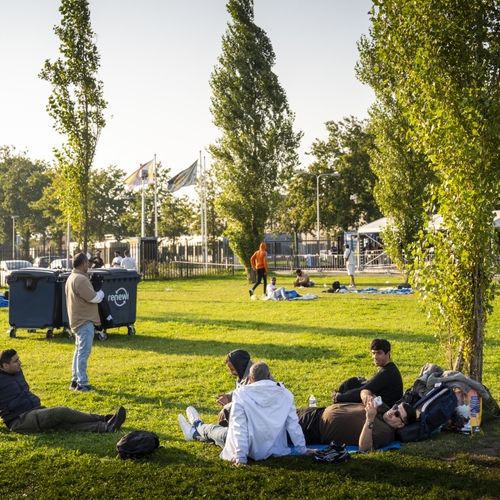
x=346 y=201
x=77 y=105
x=22 y=182
x=404 y=176
x=256 y=154
x=442 y=58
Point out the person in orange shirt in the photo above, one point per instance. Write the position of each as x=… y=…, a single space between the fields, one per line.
x=258 y=261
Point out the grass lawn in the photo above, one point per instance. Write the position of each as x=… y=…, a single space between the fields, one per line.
x=184 y=331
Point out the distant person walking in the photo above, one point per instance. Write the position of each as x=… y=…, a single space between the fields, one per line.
x=258 y=261
x=128 y=262
x=350 y=263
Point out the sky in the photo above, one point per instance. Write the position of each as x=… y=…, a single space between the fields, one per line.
x=156 y=61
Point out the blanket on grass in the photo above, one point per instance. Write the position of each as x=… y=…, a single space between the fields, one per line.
x=395 y=445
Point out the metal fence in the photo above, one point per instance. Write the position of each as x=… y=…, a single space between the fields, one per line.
x=156 y=260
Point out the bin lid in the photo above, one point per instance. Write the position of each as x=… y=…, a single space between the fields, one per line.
x=114 y=273
x=32 y=272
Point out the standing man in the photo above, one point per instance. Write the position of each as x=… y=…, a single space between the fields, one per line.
x=83 y=314
x=117 y=261
x=350 y=263
x=128 y=262
x=386 y=383
x=98 y=262
x=258 y=261
x=262 y=415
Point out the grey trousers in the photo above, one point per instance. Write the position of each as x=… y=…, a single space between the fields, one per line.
x=59 y=417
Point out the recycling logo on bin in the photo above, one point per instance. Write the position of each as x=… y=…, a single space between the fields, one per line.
x=120 y=297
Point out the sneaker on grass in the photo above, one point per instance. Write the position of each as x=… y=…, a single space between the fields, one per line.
x=186 y=427
x=192 y=415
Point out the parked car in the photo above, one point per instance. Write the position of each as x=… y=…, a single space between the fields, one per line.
x=61 y=264
x=45 y=260
x=7 y=266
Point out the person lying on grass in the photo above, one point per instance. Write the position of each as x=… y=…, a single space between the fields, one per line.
x=275 y=293
x=370 y=427
x=21 y=411
x=262 y=414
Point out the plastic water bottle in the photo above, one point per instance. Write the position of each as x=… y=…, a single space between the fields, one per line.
x=312 y=401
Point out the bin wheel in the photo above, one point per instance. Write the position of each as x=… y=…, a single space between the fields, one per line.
x=49 y=333
x=101 y=335
x=131 y=329
x=69 y=333
x=12 y=332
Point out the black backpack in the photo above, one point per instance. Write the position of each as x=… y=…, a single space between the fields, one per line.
x=137 y=444
x=436 y=408
x=335 y=287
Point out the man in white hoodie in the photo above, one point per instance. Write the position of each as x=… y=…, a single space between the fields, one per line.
x=262 y=414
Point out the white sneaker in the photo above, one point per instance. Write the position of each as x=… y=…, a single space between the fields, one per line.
x=192 y=414
x=186 y=427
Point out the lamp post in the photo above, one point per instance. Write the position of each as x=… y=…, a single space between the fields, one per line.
x=14 y=217
x=318 y=176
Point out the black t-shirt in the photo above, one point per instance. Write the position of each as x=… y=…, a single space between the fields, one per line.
x=386 y=383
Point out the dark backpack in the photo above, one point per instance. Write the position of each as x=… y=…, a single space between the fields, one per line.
x=436 y=408
x=137 y=444
x=335 y=287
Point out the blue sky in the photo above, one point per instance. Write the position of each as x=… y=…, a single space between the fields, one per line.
x=156 y=60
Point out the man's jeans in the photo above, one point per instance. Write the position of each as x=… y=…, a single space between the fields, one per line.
x=210 y=433
x=84 y=337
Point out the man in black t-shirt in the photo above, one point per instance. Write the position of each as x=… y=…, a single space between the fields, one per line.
x=386 y=383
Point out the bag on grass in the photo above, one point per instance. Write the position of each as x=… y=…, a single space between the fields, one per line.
x=435 y=408
x=137 y=444
x=332 y=453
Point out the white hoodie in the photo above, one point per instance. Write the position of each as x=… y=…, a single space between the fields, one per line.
x=261 y=415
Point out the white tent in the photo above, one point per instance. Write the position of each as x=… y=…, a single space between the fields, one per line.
x=373 y=227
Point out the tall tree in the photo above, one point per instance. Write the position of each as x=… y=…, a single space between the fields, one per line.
x=346 y=201
x=443 y=57
x=22 y=182
x=77 y=105
x=256 y=154
x=404 y=176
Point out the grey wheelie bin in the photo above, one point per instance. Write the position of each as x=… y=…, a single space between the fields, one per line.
x=120 y=290
x=35 y=300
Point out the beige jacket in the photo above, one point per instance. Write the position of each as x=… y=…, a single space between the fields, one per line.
x=79 y=294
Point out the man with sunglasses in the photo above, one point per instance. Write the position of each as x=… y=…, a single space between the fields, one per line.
x=370 y=427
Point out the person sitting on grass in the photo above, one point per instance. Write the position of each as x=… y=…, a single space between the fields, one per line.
x=386 y=383
x=22 y=412
x=262 y=415
x=370 y=427
x=275 y=293
x=302 y=279
x=238 y=363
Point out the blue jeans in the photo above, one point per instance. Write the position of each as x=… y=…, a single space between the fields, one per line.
x=210 y=433
x=84 y=337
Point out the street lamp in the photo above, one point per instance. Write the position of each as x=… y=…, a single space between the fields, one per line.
x=14 y=217
x=331 y=174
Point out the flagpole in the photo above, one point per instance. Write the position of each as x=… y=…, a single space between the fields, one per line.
x=205 y=211
x=143 y=213
x=156 y=200
x=201 y=207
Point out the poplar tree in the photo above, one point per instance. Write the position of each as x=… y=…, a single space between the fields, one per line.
x=77 y=105
x=442 y=59
x=256 y=153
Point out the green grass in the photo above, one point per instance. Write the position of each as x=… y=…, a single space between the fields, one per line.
x=177 y=359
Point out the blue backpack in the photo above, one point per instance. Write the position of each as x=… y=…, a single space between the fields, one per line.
x=435 y=409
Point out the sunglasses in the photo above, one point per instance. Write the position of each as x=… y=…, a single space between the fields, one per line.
x=397 y=413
